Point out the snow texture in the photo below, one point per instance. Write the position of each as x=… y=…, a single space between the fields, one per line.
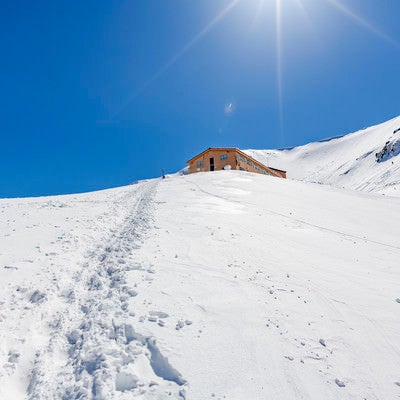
x=224 y=285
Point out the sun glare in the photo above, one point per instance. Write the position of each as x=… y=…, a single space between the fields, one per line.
x=259 y=7
x=279 y=67
x=338 y=5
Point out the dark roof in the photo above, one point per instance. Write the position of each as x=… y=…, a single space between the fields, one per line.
x=276 y=169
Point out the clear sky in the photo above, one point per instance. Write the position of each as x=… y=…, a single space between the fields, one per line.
x=100 y=93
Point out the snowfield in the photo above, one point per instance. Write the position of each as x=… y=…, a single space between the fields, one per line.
x=224 y=285
x=364 y=160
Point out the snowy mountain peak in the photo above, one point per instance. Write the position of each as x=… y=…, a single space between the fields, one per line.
x=366 y=160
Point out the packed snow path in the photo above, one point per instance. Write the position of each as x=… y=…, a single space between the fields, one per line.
x=102 y=344
x=93 y=351
x=210 y=286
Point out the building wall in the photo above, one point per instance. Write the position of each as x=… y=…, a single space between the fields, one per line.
x=218 y=163
x=224 y=157
x=246 y=163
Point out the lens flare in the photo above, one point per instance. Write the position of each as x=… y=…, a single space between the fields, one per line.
x=260 y=7
x=220 y=16
x=229 y=108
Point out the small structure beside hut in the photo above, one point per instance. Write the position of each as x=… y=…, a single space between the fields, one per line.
x=219 y=158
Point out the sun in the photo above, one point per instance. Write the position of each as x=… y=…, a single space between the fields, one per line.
x=259 y=7
x=280 y=28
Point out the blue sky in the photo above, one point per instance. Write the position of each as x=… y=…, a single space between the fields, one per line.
x=97 y=94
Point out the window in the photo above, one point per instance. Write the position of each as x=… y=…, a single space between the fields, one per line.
x=223 y=157
x=199 y=164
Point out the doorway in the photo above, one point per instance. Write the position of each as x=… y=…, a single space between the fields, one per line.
x=212 y=164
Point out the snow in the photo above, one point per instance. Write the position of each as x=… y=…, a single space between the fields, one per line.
x=224 y=285
x=366 y=160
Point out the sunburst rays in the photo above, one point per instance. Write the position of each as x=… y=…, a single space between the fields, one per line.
x=279 y=45
x=279 y=67
x=218 y=18
x=259 y=9
x=362 y=21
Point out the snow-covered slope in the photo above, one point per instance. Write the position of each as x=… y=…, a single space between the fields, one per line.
x=349 y=161
x=222 y=285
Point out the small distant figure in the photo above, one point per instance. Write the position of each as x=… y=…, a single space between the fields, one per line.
x=163 y=173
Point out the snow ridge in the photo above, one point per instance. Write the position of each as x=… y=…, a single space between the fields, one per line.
x=367 y=160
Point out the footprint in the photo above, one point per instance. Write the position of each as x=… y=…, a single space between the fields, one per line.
x=159 y=314
x=125 y=381
x=339 y=383
x=37 y=297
